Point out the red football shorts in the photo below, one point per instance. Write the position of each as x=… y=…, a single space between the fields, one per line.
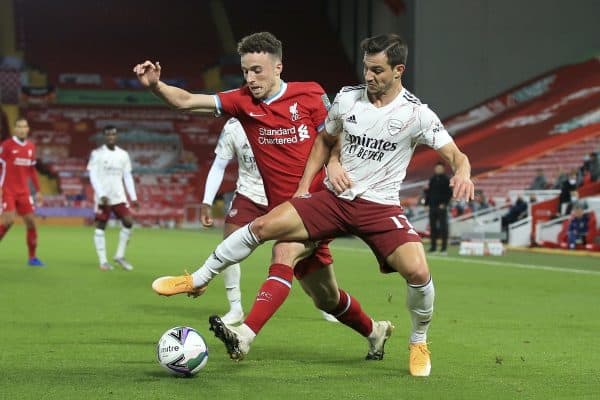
x=383 y=227
x=21 y=203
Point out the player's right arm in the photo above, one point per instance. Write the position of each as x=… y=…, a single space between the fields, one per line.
x=213 y=183
x=225 y=151
x=149 y=76
x=319 y=155
x=92 y=168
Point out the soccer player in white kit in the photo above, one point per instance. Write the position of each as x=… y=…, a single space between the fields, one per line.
x=376 y=127
x=109 y=167
x=249 y=202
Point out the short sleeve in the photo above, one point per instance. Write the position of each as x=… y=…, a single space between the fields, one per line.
x=225 y=146
x=228 y=102
x=319 y=114
x=333 y=122
x=431 y=131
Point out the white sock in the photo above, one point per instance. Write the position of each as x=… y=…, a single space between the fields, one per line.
x=235 y=248
x=231 y=278
x=100 y=242
x=124 y=236
x=245 y=330
x=419 y=301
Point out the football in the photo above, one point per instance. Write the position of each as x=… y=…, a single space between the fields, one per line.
x=182 y=351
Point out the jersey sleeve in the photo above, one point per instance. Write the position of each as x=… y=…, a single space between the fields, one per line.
x=92 y=162
x=225 y=146
x=228 y=102
x=321 y=106
x=333 y=122
x=431 y=131
x=127 y=164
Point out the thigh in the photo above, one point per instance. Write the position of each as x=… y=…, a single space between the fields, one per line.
x=410 y=261
x=24 y=204
x=101 y=213
x=281 y=223
x=384 y=228
x=323 y=214
x=122 y=211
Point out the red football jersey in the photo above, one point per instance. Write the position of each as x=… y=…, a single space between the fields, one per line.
x=281 y=131
x=17 y=161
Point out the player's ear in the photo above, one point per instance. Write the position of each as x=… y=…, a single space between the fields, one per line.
x=398 y=71
x=278 y=68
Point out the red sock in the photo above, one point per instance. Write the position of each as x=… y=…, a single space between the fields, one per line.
x=31 y=241
x=3 y=230
x=350 y=313
x=271 y=295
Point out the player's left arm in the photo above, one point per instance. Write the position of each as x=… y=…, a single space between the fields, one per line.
x=129 y=183
x=33 y=174
x=461 y=183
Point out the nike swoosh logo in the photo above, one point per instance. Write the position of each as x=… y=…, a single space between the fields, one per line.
x=252 y=114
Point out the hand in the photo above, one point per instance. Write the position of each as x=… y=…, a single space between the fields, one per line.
x=103 y=201
x=206 y=215
x=39 y=198
x=338 y=177
x=147 y=73
x=462 y=188
x=135 y=204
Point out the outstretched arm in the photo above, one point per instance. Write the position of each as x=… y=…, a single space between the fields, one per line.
x=462 y=186
x=149 y=76
x=319 y=155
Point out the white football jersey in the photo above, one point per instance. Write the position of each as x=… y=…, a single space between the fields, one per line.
x=109 y=167
x=233 y=142
x=378 y=143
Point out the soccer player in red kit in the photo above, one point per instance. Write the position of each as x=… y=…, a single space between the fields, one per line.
x=17 y=164
x=281 y=121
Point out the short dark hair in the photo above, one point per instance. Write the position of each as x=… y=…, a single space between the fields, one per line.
x=391 y=44
x=261 y=42
x=109 y=128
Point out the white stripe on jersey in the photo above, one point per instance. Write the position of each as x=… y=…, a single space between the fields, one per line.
x=233 y=142
x=378 y=143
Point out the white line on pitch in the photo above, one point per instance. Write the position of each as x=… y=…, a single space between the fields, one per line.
x=489 y=262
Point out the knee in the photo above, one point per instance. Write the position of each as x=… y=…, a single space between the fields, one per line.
x=127 y=223
x=100 y=225
x=419 y=275
x=259 y=228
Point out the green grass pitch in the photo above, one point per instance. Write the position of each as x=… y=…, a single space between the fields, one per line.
x=520 y=326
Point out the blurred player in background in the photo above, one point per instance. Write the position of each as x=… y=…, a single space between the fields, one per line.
x=17 y=165
x=109 y=167
x=281 y=121
x=249 y=202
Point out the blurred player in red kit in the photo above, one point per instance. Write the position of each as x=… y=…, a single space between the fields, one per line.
x=17 y=165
